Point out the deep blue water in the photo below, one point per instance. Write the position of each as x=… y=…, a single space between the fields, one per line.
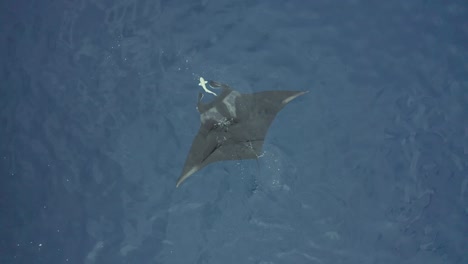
x=97 y=114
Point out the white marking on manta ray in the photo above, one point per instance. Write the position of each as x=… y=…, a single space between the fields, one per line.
x=190 y=172
x=203 y=85
x=211 y=114
x=289 y=99
x=230 y=102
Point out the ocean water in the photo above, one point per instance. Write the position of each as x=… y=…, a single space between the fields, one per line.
x=98 y=112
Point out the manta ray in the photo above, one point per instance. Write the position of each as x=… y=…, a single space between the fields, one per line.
x=233 y=125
